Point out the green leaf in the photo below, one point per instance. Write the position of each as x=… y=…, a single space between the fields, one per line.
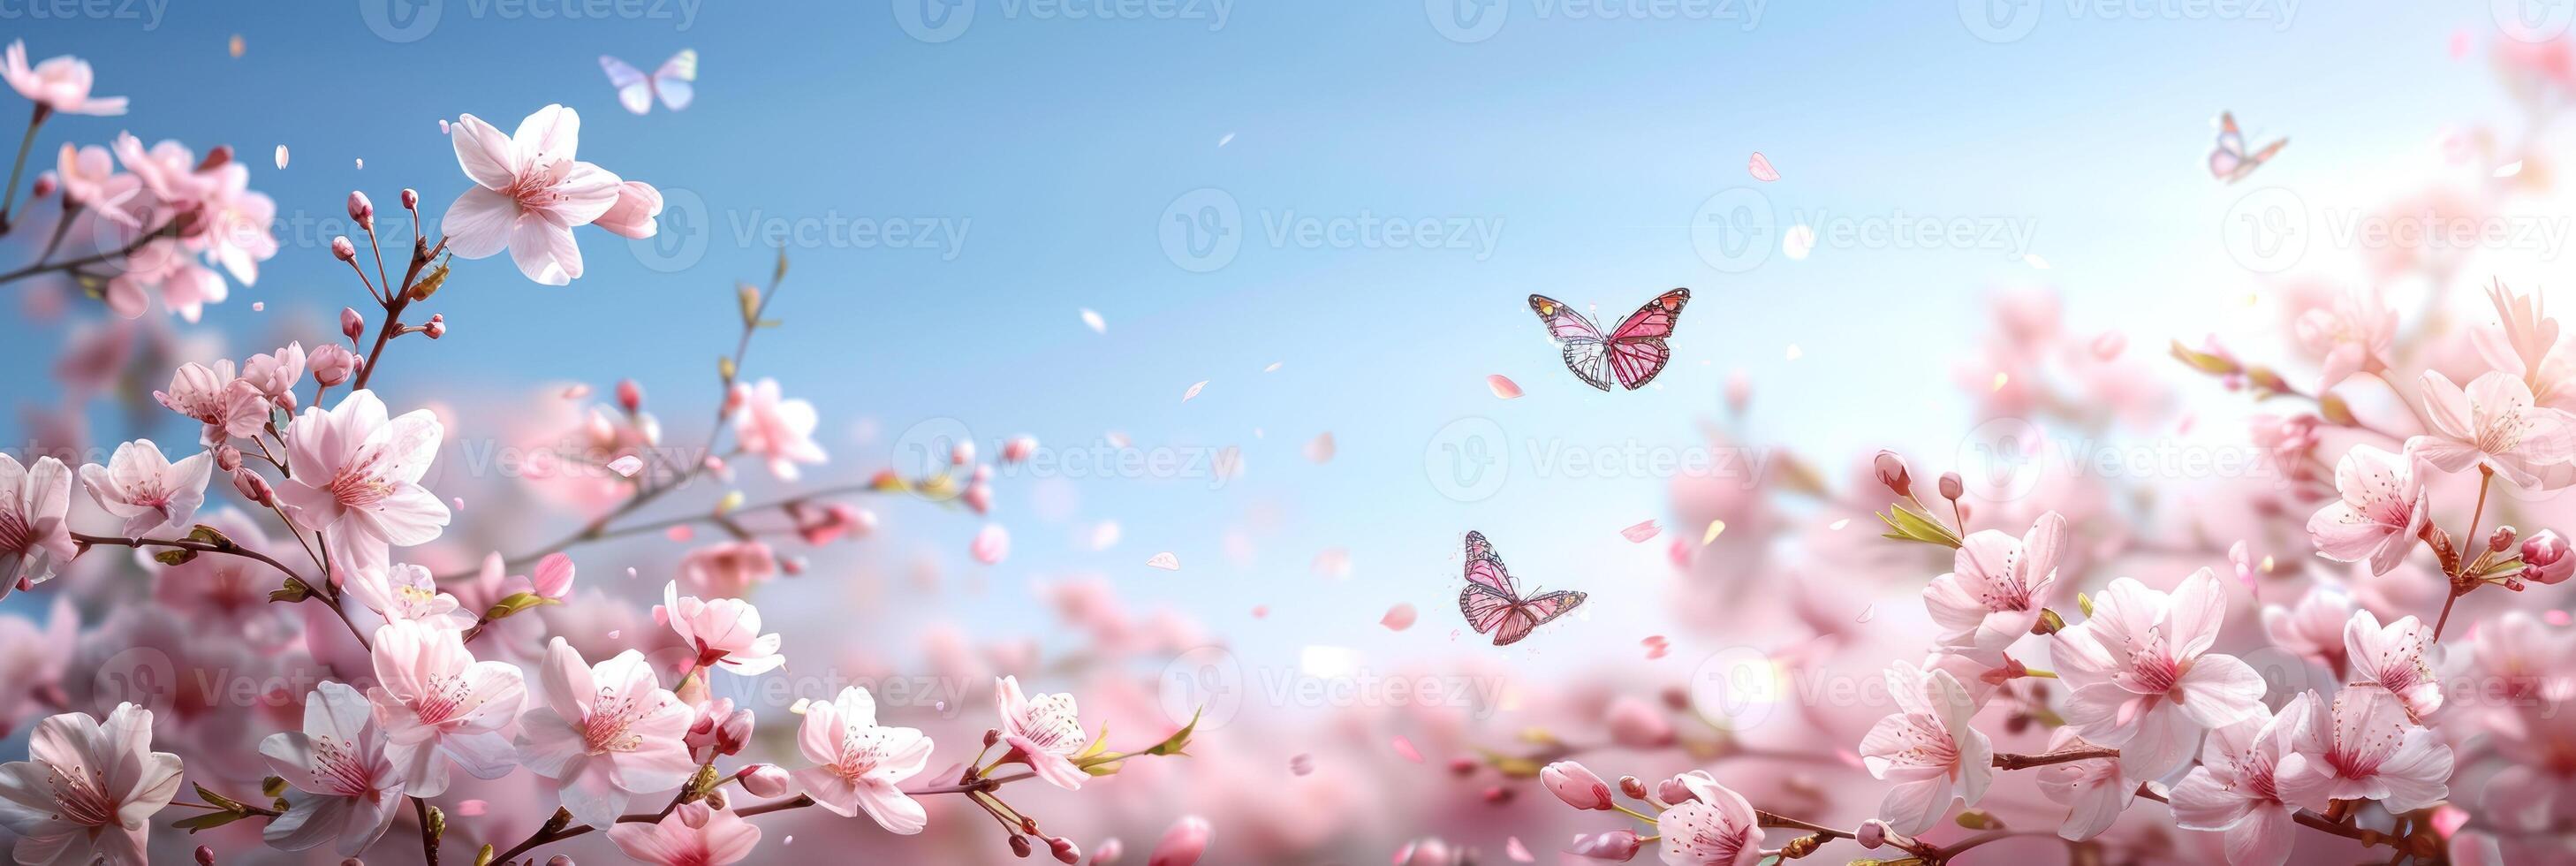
x=294 y=591
x=514 y=603
x=209 y=821
x=1180 y=739
x=219 y=800
x=174 y=556
x=429 y=282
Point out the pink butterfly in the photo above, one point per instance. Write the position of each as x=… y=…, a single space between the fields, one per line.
x=671 y=82
x=1492 y=600
x=2228 y=161
x=1635 y=352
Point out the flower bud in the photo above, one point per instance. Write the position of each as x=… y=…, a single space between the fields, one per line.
x=980 y=498
x=45 y=184
x=1951 y=486
x=362 y=210
x=437 y=326
x=253 y=487
x=559 y=860
x=630 y=395
x=1064 y=850
x=343 y=250
x=963 y=453
x=410 y=199
x=1497 y=794
x=1576 y=784
x=2501 y=540
x=332 y=364
x=764 y=781
x=227 y=457
x=205 y=856
x=1633 y=787
x=1873 y=833
x=1020 y=846
x=351 y=324
x=2544 y=558
x=1893 y=473
x=1616 y=846
x=1019 y=448
x=216 y=157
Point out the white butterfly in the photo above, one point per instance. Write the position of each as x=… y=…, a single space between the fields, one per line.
x=671 y=82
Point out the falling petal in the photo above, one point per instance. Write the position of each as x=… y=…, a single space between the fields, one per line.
x=1503 y=386
x=1320 y=448
x=2509 y=169
x=1116 y=439
x=2001 y=379
x=1194 y=390
x=1839 y=524
x=1333 y=564
x=235 y=46
x=1165 y=561
x=1273 y=368
x=1228 y=139
x=1797 y=242
x=471 y=808
x=1301 y=764
x=2557 y=617
x=1104 y=535
x=281 y=156
x=1760 y=168
x=991 y=544
x=1512 y=844
x=576 y=392
x=2033 y=260
x=626 y=466
x=616 y=633
x=1642 y=531
x=259 y=306
x=630 y=572
x=1404 y=749
x=1867 y=613
x=2459 y=49
x=1680 y=553
x=2109 y=345
x=362 y=163
x=1794 y=353
x=457 y=501
x=1710 y=534
x=1398 y=618
x=1260 y=611
x=1092 y=320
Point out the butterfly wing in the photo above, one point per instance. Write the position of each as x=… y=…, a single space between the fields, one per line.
x=1584 y=349
x=1484 y=606
x=1523 y=618
x=1484 y=568
x=1636 y=350
x=633 y=90
x=672 y=81
x=2227 y=157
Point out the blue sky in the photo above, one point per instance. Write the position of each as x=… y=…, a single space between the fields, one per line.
x=1048 y=155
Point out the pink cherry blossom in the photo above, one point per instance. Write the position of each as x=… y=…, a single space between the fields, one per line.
x=778 y=430
x=632 y=216
x=89 y=791
x=859 y=764
x=1716 y=827
x=2525 y=343
x=2395 y=657
x=89 y=179
x=2493 y=424
x=344 y=788
x=402 y=592
x=2383 y=507
x=605 y=733
x=35 y=537
x=2094 y=790
x=1576 y=784
x=1928 y=747
x=1997 y=585
x=276 y=374
x=2363 y=748
x=2353 y=336
x=2233 y=791
x=33 y=661
x=144 y=487
x=2142 y=676
x=728 y=570
x=1044 y=731
x=694 y=834
x=2313 y=628
x=723 y=632
x=529 y=193
x=229 y=407
x=59 y=83
x=433 y=699
x=355 y=476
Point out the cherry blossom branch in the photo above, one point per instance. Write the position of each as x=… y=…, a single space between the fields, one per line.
x=9 y=205
x=2062 y=756
x=332 y=600
x=167 y=230
x=421 y=256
